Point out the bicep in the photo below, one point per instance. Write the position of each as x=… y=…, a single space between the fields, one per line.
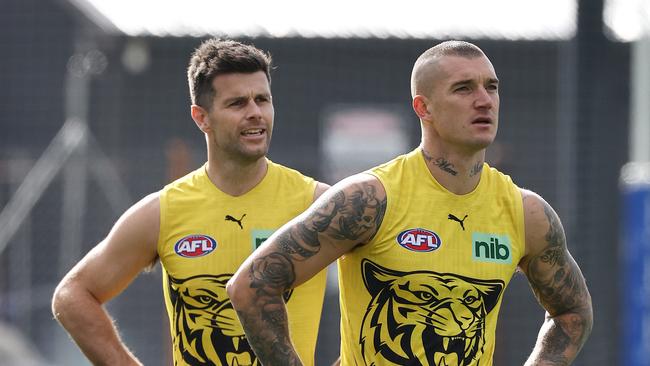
x=552 y=272
x=129 y=248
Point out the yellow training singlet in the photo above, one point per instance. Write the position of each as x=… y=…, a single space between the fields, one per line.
x=427 y=289
x=205 y=235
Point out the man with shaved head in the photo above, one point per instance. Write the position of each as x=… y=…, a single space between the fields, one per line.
x=426 y=243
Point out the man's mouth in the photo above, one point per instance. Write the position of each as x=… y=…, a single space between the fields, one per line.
x=482 y=120
x=253 y=132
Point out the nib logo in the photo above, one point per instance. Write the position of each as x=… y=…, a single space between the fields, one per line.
x=491 y=248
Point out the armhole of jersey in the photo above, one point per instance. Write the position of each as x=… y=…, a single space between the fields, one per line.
x=521 y=223
x=162 y=234
x=382 y=228
x=311 y=199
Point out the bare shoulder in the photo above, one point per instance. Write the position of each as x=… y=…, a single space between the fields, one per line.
x=552 y=272
x=320 y=189
x=361 y=183
x=542 y=224
x=361 y=198
x=138 y=226
x=352 y=183
x=147 y=206
x=146 y=210
x=353 y=209
x=533 y=202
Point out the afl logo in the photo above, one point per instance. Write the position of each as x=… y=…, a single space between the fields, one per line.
x=196 y=245
x=419 y=240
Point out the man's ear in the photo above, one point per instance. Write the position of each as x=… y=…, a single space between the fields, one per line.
x=421 y=106
x=200 y=117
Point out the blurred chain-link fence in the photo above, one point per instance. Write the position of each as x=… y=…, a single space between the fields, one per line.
x=124 y=102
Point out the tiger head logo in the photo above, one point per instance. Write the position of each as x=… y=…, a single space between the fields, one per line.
x=424 y=317
x=206 y=328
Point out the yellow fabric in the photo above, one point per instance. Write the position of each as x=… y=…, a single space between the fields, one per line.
x=201 y=245
x=433 y=299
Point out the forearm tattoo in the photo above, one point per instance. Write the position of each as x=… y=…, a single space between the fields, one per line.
x=558 y=284
x=353 y=216
x=269 y=276
x=272 y=344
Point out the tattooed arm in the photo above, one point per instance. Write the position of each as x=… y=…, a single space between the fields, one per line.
x=347 y=215
x=558 y=284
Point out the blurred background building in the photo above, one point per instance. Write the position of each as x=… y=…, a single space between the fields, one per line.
x=94 y=114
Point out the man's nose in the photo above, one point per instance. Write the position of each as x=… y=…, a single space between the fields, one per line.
x=483 y=98
x=253 y=110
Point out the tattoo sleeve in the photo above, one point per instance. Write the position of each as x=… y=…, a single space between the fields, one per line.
x=560 y=287
x=347 y=218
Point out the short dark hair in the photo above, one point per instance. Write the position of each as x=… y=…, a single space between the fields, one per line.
x=216 y=57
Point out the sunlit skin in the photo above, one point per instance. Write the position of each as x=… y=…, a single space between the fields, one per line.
x=455 y=94
x=238 y=128
x=460 y=106
x=240 y=121
x=235 y=112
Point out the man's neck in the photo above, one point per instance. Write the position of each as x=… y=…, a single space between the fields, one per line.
x=236 y=178
x=458 y=173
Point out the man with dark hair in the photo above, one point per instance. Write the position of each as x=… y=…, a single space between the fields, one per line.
x=426 y=243
x=201 y=227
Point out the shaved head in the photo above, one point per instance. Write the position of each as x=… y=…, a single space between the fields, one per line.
x=425 y=66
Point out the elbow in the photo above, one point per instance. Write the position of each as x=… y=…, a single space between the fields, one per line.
x=580 y=321
x=60 y=299
x=233 y=289
x=67 y=299
x=588 y=318
x=586 y=312
x=587 y=321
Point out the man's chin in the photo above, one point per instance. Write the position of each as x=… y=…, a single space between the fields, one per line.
x=483 y=143
x=252 y=156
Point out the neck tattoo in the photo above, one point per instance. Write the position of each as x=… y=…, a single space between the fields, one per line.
x=476 y=169
x=441 y=163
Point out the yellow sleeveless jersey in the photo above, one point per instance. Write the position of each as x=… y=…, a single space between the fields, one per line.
x=427 y=289
x=204 y=237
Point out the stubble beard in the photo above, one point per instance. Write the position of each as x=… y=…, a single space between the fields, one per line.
x=239 y=152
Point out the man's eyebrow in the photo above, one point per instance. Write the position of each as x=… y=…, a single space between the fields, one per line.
x=471 y=81
x=462 y=82
x=235 y=98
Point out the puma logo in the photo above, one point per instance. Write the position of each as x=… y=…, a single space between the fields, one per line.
x=230 y=218
x=461 y=222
